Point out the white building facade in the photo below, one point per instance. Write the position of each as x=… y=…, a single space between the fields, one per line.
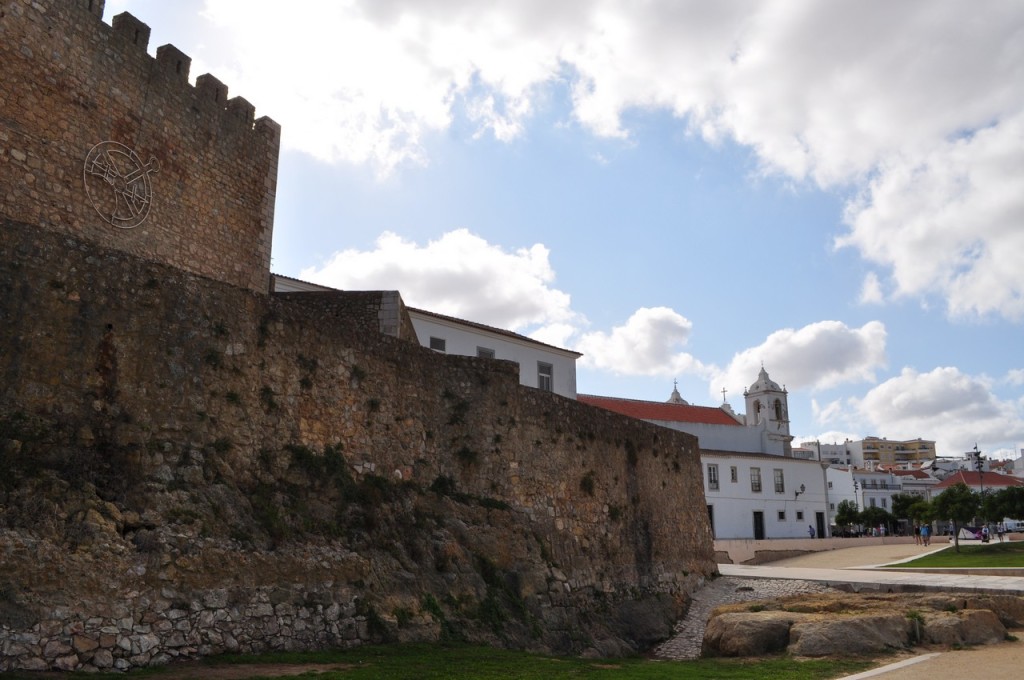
x=761 y=496
x=541 y=365
x=754 y=486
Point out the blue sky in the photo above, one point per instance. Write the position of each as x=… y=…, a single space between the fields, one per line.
x=679 y=190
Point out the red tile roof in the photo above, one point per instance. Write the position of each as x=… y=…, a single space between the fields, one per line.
x=658 y=410
x=973 y=478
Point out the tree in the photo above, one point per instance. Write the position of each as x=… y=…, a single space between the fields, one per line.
x=1008 y=502
x=921 y=511
x=875 y=516
x=847 y=514
x=901 y=504
x=959 y=504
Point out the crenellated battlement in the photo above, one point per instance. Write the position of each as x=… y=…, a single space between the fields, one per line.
x=173 y=62
x=104 y=141
x=132 y=30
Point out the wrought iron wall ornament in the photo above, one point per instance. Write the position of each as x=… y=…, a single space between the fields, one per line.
x=117 y=182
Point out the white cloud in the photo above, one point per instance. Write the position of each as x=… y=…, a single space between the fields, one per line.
x=829 y=413
x=461 y=275
x=955 y=409
x=871 y=290
x=818 y=356
x=829 y=437
x=950 y=221
x=647 y=344
x=1015 y=377
x=921 y=99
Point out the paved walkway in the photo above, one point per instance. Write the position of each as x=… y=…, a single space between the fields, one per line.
x=851 y=569
x=837 y=569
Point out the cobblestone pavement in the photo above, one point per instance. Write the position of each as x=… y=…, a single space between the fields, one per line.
x=686 y=641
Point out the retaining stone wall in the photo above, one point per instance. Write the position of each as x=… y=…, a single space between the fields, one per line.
x=161 y=405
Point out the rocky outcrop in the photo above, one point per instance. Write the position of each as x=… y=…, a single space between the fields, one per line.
x=835 y=624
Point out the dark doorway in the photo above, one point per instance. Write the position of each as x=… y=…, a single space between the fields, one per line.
x=819 y=518
x=711 y=519
x=758 y=525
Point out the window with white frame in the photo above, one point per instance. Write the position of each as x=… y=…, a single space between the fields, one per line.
x=545 y=376
x=437 y=344
x=712 y=477
x=485 y=352
x=780 y=482
x=782 y=515
x=755 y=479
x=799 y=515
x=734 y=475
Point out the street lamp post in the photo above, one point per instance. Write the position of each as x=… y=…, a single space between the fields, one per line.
x=979 y=466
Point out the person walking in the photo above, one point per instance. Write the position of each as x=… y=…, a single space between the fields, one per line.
x=810 y=531
x=917 y=534
x=926 y=534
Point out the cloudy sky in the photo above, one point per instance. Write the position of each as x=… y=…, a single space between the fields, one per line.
x=679 y=190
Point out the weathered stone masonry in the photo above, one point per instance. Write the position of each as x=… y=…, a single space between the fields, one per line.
x=189 y=465
x=70 y=81
x=176 y=398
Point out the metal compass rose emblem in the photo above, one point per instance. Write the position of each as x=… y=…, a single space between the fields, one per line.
x=117 y=183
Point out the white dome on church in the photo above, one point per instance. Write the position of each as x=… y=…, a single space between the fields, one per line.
x=676 y=398
x=764 y=383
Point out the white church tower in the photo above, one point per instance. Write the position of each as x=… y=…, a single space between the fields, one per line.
x=768 y=408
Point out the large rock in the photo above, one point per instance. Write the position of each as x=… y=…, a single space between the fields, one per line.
x=833 y=623
x=748 y=633
x=966 y=627
x=1009 y=608
x=644 y=623
x=849 y=635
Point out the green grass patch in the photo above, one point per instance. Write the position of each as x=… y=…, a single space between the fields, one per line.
x=974 y=556
x=452 y=662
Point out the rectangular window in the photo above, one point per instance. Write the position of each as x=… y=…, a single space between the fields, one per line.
x=831 y=506
x=485 y=352
x=712 y=478
x=780 y=483
x=545 y=376
x=733 y=475
x=437 y=344
x=830 y=485
x=799 y=515
x=782 y=515
x=885 y=502
x=755 y=480
x=872 y=502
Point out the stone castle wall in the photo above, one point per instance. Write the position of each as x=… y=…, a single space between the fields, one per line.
x=70 y=82
x=192 y=466
x=169 y=403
